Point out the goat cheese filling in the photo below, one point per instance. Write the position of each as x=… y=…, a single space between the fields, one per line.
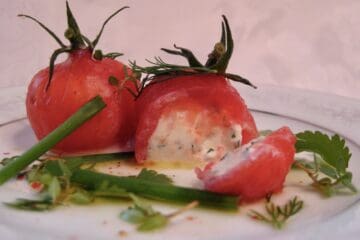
x=233 y=158
x=193 y=136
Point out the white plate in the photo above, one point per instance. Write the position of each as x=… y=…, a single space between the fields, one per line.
x=272 y=107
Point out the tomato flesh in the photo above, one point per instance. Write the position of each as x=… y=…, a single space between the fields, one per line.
x=74 y=82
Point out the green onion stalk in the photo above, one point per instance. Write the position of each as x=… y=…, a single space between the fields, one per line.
x=157 y=191
x=86 y=112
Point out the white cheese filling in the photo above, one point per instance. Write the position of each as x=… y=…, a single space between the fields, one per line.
x=188 y=136
x=235 y=157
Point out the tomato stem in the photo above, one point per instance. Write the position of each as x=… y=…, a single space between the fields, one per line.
x=73 y=33
x=57 y=39
x=158 y=191
x=96 y=40
x=77 y=40
x=217 y=62
x=86 y=112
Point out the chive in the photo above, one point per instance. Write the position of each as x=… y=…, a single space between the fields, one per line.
x=157 y=191
x=87 y=111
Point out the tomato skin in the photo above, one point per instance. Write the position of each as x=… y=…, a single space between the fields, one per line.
x=260 y=173
x=75 y=81
x=207 y=90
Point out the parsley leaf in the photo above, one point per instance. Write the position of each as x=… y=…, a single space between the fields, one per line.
x=153 y=176
x=332 y=150
x=142 y=214
x=146 y=218
x=331 y=158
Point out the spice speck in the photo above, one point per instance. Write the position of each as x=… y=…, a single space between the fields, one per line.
x=123 y=233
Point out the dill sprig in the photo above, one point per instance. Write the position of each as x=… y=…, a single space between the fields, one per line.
x=277 y=215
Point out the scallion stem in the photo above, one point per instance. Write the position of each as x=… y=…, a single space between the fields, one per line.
x=87 y=111
x=157 y=191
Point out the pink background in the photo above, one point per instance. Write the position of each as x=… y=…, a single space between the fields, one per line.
x=303 y=44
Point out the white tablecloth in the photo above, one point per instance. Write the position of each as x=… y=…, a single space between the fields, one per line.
x=305 y=44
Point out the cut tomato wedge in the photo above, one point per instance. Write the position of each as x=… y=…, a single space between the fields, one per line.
x=254 y=170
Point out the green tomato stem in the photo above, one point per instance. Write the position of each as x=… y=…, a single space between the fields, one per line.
x=157 y=191
x=73 y=122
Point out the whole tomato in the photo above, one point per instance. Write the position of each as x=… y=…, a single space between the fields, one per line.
x=56 y=92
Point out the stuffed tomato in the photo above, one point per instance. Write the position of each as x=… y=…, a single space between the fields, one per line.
x=191 y=113
x=254 y=170
x=191 y=118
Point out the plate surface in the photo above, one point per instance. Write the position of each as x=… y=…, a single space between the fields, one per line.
x=272 y=108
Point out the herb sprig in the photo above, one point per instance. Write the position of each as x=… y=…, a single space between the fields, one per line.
x=146 y=218
x=328 y=171
x=277 y=215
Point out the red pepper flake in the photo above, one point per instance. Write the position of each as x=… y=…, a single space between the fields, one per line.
x=190 y=218
x=20 y=176
x=37 y=186
x=122 y=233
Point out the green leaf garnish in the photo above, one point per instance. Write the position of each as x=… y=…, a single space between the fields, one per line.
x=81 y=196
x=153 y=222
x=331 y=149
x=55 y=175
x=328 y=170
x=132 y=215
x=153 y=176
x=54 y=189
x=142 y=214
x=146 y=218
x=32 y=205
x=277 y=215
